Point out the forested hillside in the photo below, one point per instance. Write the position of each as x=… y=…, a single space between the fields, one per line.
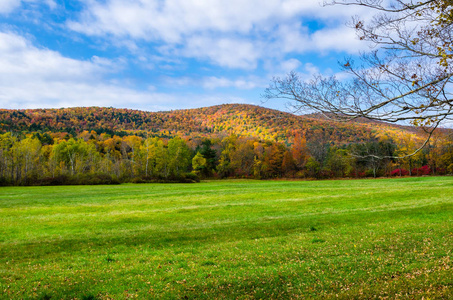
x=105 y=145
x=247 y=120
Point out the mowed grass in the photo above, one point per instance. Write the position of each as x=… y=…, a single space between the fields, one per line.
x=229 y=239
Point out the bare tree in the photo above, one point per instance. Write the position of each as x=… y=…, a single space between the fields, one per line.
x=408 y=77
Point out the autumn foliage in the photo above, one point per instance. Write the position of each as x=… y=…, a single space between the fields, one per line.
x=105 y=145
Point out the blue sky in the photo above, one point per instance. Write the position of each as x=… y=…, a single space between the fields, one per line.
x=164 y=54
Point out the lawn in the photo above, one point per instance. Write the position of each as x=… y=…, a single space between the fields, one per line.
x=229 y=239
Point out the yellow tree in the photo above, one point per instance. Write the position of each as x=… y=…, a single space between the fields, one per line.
x=299 y=150
x=198 y=163
x=178 y=156
x=7 y=141
x=130 y=150
x=408 y=145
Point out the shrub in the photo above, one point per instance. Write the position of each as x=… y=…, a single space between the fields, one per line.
x=325 y=174
x=369 y=173
x=95 y=179
x=399 y=172
x=58 y=180
x=356 y=174
x=191 y=177
x=441 y=171
x=425 y=170
x=184 y=178
x=4 y=181
x=84 y=179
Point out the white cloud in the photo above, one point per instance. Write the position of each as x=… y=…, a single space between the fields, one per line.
x=239 y=34
x=290 y=65
x=219 y=51
x=170 y=20
x=7 y=6
x=19 y=58
x=234 y=34
x=338 y=39
x=311 y=69
x=214 y=82
x=32 y=77
x=296 y=38
x=51 y=3
x=222 y=82
x=292 y=37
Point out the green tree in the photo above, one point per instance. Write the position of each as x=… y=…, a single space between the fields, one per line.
x=160 y=159
x=178 y=157
x=313 y=167
x=7 y=141
x=72 y=155
x=224 y=168
x=130 y=150
x=25 y=157
x=210 y=155
x=199 y=164
x=149 y=153
x=337 y=162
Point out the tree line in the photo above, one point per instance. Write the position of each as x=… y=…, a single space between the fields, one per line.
x=209 y=122
x=90 y=158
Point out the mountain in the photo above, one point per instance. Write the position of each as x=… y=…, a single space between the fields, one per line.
x=214 y=121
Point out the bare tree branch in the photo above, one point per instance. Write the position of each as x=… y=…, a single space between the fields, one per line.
x=408 y=78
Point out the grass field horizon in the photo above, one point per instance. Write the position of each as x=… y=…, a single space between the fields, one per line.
x=246 y=239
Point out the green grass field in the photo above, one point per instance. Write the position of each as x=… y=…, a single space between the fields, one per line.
x=229 y=239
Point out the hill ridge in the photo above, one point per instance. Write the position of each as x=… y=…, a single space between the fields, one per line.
x=243 y=119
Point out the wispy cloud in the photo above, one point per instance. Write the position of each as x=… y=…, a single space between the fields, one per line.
x=7 y=6
x=219 y=51
x=189 y=53
x=32 y=77
x=233 y=34
x=215 y=82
